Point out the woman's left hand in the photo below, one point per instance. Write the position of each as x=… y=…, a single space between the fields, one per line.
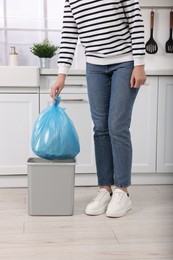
x=138 y=77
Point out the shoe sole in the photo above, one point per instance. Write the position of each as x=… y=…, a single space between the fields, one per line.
x=96 y=212
x=119 y=214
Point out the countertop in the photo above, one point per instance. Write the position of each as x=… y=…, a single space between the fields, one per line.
x=53 y=72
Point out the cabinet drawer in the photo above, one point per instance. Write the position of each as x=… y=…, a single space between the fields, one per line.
x=77 y=108
x=18 y=112
x=73 y=84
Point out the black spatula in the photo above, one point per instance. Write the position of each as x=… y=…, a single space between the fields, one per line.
x=151 y=45
x=169 y=43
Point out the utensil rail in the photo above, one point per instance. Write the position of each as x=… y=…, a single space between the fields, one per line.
x=155 y=7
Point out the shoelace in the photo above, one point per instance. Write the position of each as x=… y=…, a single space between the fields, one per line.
x=100 y=194
x=117 y=197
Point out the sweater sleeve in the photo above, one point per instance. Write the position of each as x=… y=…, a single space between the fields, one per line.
x=69 y=38
x=136 y=27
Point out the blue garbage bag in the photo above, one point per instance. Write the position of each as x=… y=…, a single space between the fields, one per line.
x=54 y=135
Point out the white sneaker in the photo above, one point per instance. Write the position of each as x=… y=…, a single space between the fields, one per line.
x=119 y=205
x=99 y=204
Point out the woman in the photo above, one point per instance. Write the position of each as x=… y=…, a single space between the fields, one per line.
x=112 y=34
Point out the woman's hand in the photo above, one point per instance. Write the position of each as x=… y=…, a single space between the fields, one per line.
x=57 y=87
x=138 y=77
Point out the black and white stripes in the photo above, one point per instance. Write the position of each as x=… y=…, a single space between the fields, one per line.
x=110 y=31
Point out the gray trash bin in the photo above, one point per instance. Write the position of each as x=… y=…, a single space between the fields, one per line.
x=50 y=186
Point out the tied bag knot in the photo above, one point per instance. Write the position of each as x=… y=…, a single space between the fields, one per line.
x=57 y=101
x=54 y=135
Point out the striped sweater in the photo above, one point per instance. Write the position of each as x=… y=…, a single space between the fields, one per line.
x=111 y=31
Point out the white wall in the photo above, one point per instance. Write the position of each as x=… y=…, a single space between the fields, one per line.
x=156 y=2
x=35 y=20
x=160 y=60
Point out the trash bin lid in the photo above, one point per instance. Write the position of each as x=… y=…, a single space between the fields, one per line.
x=41 y=161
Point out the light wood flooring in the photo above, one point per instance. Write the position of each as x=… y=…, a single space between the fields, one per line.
x=146 y=232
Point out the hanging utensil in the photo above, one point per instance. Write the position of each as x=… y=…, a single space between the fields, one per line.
x=151 y=45
x=169 y=43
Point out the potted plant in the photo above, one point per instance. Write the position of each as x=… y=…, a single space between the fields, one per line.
x=45 y=51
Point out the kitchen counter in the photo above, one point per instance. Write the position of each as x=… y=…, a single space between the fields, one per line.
x=13 y=72
x=19 y=76
x=29 y=76
x=53 y=72
x=159 y=72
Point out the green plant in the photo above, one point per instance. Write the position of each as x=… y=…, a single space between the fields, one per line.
x=44 y=49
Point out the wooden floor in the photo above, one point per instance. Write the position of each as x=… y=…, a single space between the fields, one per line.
x=146 y=232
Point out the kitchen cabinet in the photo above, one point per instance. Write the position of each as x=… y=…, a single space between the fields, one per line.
x=144 y=127
x=147 y=113
x=74 y=100
x=151 y=127
x=18 y=111
x=165 y=125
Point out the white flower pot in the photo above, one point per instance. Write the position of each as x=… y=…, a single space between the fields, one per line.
x=44 y=63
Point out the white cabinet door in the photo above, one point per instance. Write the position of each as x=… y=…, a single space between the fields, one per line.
x=144 y=127
x=165 y=125
x=77 y=108
x=17 y=115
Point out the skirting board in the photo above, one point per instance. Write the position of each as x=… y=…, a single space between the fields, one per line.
x=20 y=181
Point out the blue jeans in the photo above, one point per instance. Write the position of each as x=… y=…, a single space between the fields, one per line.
x=111 y=102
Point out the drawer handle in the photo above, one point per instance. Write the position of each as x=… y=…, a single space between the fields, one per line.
x=73 y=84
x=72 y=100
